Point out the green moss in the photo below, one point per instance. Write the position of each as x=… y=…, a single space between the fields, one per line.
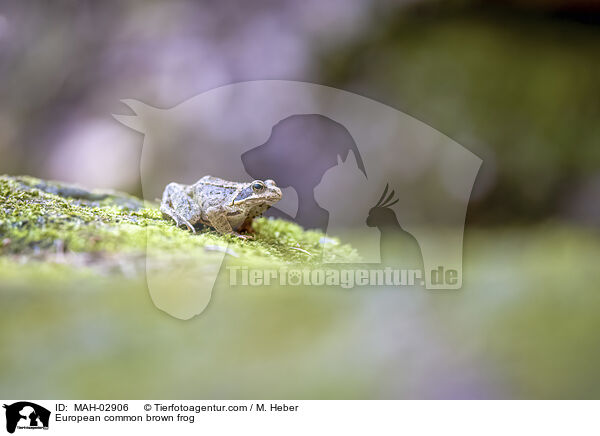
x=51 y=221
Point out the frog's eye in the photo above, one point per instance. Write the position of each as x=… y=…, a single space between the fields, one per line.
x=258 y=187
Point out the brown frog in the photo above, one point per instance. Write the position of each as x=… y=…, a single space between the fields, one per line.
x=228 y=207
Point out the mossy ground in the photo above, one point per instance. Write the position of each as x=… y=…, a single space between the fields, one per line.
x=63 y=225
x=523 y=326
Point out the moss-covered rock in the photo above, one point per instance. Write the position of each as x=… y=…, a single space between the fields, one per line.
x=65 y=224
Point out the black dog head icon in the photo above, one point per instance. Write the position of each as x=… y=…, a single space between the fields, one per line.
x=35 y=416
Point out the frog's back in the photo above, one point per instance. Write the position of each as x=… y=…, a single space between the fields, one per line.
x=213 y=191
x=216 y=181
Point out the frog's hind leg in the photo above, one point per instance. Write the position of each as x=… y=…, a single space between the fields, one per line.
x=177 y=204
x=179 y=220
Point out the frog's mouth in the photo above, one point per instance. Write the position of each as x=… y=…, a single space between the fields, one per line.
x=276 y=196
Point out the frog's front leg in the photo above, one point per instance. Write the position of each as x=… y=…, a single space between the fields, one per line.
x=217 y=217
x=246 y=226
x=177 y=204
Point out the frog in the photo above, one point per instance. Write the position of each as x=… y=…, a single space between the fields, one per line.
x=228 y=207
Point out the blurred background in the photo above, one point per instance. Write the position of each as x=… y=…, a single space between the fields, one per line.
x=516 y=82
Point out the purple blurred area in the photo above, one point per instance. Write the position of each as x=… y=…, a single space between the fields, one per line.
x=65 y=66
